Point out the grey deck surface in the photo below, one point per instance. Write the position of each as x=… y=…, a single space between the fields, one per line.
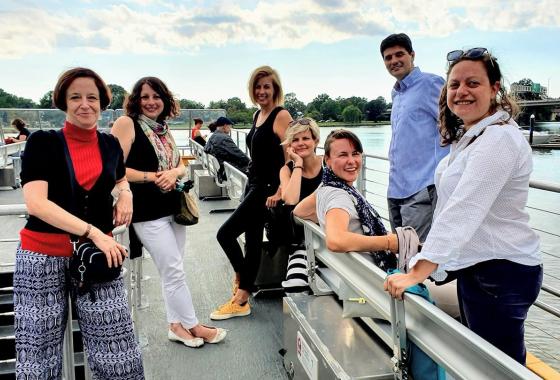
x=250 y=351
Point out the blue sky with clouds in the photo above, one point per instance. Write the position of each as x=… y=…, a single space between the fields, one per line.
x=205 y=50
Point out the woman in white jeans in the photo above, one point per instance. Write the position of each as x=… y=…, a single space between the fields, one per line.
x=153 y=166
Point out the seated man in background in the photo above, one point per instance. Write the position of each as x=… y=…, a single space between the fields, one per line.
x=221 y=146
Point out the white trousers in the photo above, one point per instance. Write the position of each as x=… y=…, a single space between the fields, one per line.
x=165 y=240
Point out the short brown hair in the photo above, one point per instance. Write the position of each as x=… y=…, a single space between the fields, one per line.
x=339 y=134
x=69 y=76
x=171 y=106
x=263 y=72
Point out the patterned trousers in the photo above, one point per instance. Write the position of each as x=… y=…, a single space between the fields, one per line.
x=41 y=290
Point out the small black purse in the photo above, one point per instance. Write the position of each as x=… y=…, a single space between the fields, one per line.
x=88 y=264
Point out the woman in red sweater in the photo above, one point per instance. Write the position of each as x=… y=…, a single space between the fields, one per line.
x=41 y=279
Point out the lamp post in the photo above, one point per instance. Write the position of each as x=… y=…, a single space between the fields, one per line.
x=531 y=127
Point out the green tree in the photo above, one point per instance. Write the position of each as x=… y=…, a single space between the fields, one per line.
x=294 y=106
x=317 y=103
x=191 y=104
x=8 y=100
x=314 y=114
x=219 y=104
x=352 y=114
x=374 y=109
x=119 y=94
x=46 y=101
x=330 y=110
x=354 y=101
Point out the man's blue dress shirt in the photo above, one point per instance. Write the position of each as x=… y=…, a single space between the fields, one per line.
x=415 y=147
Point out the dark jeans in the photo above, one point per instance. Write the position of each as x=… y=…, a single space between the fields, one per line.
x=247 y=218
x=415 y=211
x=494 y=297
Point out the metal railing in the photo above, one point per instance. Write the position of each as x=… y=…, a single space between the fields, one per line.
x=54 y=118
x=461 y=352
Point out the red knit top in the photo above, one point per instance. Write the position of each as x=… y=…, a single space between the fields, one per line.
x=86 y=160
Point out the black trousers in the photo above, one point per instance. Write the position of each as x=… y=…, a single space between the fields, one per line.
x=248 y=218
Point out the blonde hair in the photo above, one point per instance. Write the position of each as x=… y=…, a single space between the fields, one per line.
x=263 y=72
x=296 y=127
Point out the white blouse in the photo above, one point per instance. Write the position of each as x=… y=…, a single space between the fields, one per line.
x=482 y=191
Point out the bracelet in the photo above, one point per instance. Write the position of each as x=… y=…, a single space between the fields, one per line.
x=298 y=167
x=88 y=230
x=145 y=177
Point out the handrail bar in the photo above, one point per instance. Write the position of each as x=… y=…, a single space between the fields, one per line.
x=464 y=354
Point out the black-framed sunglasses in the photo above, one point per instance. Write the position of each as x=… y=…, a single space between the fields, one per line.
x=302 y=121
x=478 y=52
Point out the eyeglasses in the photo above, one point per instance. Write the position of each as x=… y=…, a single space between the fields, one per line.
x=302 y=121
x=478 y=52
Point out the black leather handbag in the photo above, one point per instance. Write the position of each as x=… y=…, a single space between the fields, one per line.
x=88 y=264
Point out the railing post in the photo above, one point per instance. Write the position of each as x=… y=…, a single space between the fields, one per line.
x=361 y=183
x=68 y=350
x=398 y=327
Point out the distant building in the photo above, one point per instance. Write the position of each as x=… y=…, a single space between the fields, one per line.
x=529 y=92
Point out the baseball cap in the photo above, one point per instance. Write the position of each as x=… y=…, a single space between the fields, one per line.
x=223 y=121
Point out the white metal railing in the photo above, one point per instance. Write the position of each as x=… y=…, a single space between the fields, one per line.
x=461 y=352
x=236 y=181
x=9 y=149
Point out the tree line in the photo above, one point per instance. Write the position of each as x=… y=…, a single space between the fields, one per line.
x=322 y=107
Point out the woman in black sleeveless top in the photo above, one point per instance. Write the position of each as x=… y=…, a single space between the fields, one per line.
x=153 y=166
x=299 y=178
x=263 y=190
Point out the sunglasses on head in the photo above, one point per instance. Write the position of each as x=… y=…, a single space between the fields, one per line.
x=302 y=121
x=478 y=52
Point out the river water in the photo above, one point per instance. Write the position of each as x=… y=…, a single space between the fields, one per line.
x=542 y=329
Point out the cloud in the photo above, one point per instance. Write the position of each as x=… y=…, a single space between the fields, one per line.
x=157 y=26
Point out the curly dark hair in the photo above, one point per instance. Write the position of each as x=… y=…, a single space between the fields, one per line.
x=450 y=126
x=171 y=106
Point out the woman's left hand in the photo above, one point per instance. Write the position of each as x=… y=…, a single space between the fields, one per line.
x=397 y=283
x=166 y=179
x=273 y=200
x=122 y=212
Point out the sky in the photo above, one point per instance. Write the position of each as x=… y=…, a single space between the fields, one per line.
x=206 y=49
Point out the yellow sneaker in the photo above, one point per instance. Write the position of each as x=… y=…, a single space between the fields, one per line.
x=230 y=310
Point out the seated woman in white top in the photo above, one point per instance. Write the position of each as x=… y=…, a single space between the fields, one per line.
x=480 y=229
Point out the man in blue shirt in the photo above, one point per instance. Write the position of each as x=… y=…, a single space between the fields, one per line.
x=415 y=148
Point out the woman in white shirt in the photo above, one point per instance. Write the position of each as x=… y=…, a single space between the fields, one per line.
x=480 y=230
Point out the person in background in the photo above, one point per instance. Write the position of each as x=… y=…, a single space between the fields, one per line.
x=153 y=167
x=195 y=133
x=299 y=178
x=481 y=229
x=415 y=148
x=41 y=294
x=23 y=133
x=263 y=189
x=221 y=146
